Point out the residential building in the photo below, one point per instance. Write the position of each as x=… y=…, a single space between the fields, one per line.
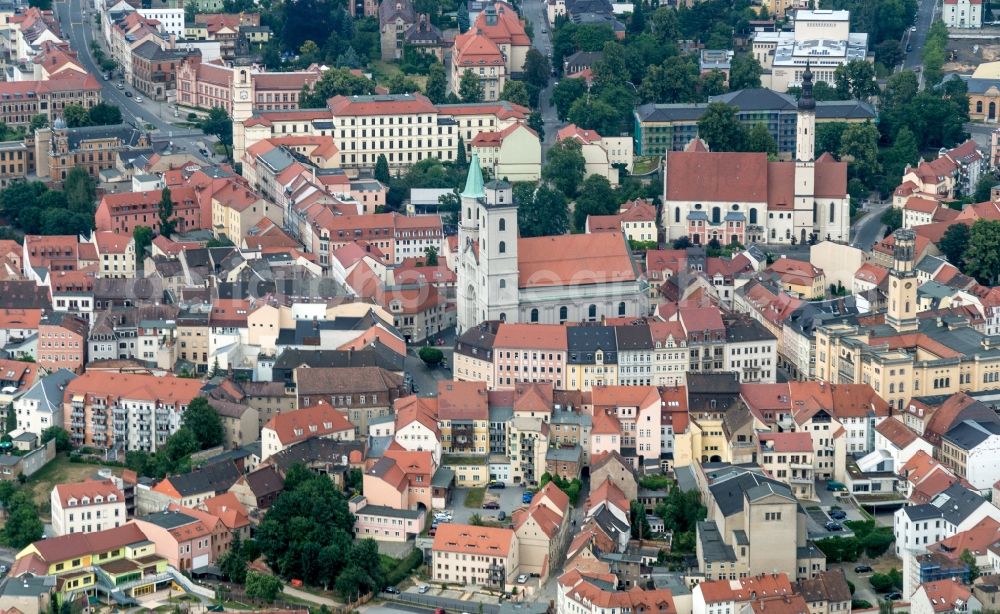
x=22 y=100
x=513 y=154
x=467 y=554
x=363 y=393
x=59 y=150
x=962 y=13
x=476 y=53
x=395 y=19
x=827 y=592
x=788 y=457
x=730 y=596
x=133 y=411
x=636 y=218
x=943 y=597
x=194 y=488
x=87 y=507
x=603 y=155
x=183 y=539
x=383 y=523
x=62 y=342
x=41 y=406
x=288 y=428
x=260 y=488
x=970 y=450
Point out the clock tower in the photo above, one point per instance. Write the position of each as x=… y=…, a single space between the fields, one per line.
x=902 y=313
x=242 y=109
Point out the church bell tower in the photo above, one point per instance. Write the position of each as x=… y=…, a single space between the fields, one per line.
x=902 y=313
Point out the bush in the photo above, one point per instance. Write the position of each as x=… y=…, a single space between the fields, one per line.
x=860 y=604
x=431 y=356
x=404 y=568
x=655 y=482
x=886 y=582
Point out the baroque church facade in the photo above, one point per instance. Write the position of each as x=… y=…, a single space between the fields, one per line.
x=746 y=198
x=549 y=280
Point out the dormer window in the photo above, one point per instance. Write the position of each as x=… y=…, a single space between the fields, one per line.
x=85 y=501
x=312 y=428
x=298 y=432
x=71 y=503
x=328 y=425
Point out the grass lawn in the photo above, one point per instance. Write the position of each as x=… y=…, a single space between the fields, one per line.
x=59 y=471
x=645 y=164
x=235 y=605
x=455 y=459
x=475 y=498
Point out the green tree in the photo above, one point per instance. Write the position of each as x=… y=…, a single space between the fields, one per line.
x=744 y=72
x=713 y=83
x=856 y=79
x=541 y=211
x=202 y=419
x=892 y=218
x=80 y=190
x=431 y=356
x=75 y=116
x=382 y=169
x=58 y=433
x=565 y=166
x=334 y=82
x=470 y=89
x=859 y=143
x=10 y=420
x=537 y=68
x=143 y=236
x=596 y=198
x=397 y=83
x=233 y=564
x=431 y=256
x=168 y=223
x=759 y=139
x=262 y=587
x=461 y=160
x=537 y=123
x=38 y=122
x=591 y=113
x=476 y=520
x=610 y=69
x=104 y=114
x=23 y=525
x=904 y=151
x=969 y=559
x=639 y=522
x=437 y=84
x=954 y=242
x=982 y=257
x=565 y=93
x=984 y=187
x=721 y=128
x=675 y=80
x=516 y=92
x=220 y=125
x=828 y=136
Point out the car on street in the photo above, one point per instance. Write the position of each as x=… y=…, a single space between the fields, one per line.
x=909 y=48
x=833 y=485
x=838 y=514
x=423 y=589
x=502 y=516
x=491 y=505
x=392 y=590
x=526 y=497
x=499 y=485
x=894 y=596
x=545 y=31
x=128 y=94
x=138 y=98
x=521 y=579
x=120 y=86
x=833 y=526
x=913 y=28
x=863 y=569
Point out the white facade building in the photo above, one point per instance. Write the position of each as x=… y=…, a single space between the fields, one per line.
x=87 y=507
x=41 y=406
x=962 y=13
x=171 y=20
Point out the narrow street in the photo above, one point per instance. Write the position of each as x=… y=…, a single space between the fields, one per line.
x=535 y=13
x=869 y=228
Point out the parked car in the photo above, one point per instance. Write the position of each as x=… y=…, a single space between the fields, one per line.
x=392 y=590
x=526 y=497
x=833 y=485
x=894 y=596
x=491 y=505
x=521 y=579
x=128 y=94
x=502 y=516
x=838 y=514
x=909 y=48
x=833 y=526
x=863 y=569
x=495 y=484
x=423 y=589
x=138 y=98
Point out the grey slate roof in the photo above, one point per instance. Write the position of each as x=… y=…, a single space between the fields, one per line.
x=572 y=454
x=954 y=504
x=48 y=391
x=583 y=341
x=217 y=477
x=730 y=490
x=634 y=338
x=389 y=512
x=713 y=548
x=169 y=520
x=970 y=433
x=754 y=100
x=126 y=134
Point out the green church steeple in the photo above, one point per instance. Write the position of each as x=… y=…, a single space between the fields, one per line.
x=474 y=181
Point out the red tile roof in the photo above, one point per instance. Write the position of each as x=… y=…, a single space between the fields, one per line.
x=89 y=489
x=317 y=421
x=469 y=539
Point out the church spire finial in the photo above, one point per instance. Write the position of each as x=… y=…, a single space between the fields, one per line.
x=806 y=100
x=474 y=180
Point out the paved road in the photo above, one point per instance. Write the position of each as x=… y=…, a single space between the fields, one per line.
x=925 y=16
x=535 y=12
x=982 y=134
x=867 y=230
x=79 y=28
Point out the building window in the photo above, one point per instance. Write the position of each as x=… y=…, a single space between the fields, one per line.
x=592 y=312
x=534 y=315
x=563 y=314
x=503 y=247
x=503 y=224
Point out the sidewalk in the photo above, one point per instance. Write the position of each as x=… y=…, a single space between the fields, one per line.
x=291 y=591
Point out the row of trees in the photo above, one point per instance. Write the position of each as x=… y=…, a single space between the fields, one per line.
x=33 y=208
x=868 y=540
x=23 y=525
x=974 y=250
x=572 y=487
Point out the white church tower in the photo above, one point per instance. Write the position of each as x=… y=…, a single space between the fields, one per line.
x=805 y=214
x=242 y=109
x=498 y=297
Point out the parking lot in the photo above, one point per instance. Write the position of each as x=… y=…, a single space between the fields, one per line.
x=510 y=500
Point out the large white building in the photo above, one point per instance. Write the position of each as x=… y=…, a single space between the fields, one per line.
x=821 y=39
x=405 y=128
x=41 y=406
x=962 y=13
x=745 y=198
x=550 y=280
x=87 y=507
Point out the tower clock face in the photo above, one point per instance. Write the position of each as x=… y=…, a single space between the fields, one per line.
x=244 y=95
